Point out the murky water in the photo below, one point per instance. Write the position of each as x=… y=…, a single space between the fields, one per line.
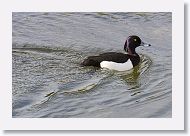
x=48 y=81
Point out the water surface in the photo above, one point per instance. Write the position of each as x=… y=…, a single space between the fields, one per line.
x=48 y=81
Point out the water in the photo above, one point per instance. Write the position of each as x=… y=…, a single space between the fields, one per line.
x=48 y=81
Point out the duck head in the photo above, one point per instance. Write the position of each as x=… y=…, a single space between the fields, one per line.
x=132 y=42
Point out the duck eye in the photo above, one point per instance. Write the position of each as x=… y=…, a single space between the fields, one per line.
x=135 y=40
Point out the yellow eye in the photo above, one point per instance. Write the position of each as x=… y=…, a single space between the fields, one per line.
x=135 y=40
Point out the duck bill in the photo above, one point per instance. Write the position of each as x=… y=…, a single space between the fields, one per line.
x=145 y=44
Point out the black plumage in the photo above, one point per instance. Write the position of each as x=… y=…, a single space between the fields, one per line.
x=111 y=56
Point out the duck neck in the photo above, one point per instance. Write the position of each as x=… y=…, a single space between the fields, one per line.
x=131 y=51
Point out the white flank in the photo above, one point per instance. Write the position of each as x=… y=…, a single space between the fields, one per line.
x=117 y=66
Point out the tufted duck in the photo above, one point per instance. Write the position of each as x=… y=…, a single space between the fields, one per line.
x=118 y=61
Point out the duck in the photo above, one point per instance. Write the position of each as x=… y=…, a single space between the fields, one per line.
x=116 y=60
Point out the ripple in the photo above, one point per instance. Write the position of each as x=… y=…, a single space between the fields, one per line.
x=48 y=80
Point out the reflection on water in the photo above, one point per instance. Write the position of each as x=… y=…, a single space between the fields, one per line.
x=130 y=77
x=48 y=80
